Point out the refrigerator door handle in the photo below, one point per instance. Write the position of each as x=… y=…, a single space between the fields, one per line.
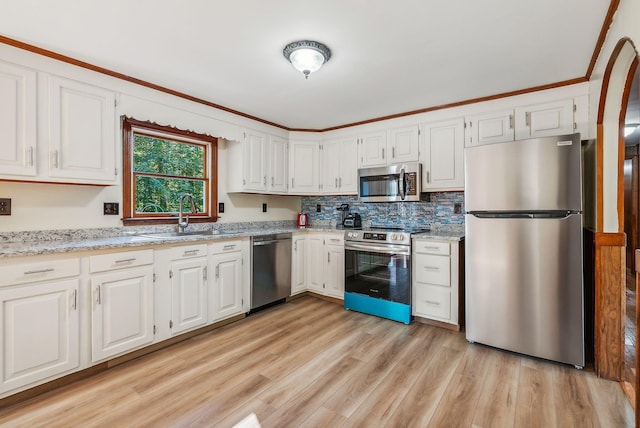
x=532 y=214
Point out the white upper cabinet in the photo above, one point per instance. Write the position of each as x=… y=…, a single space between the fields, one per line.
x=263 y=163
x=339 y=166
x=372 y=150
x=490 y=128
x=442 y=155
x=278 y=171
x=403 y=144
x=532 y=121
x=304 y=163
x=397 y=145
x=17 y=121
x=544 y=120
x=81 y=132
x=255 y=161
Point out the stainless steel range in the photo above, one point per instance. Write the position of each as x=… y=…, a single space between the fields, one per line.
x=378 y=272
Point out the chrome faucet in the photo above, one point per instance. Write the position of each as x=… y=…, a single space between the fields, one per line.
x=182 y=224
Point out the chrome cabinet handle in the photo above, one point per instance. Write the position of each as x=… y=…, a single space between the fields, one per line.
x=340 y=182
x=336 y=182
x=228 y=247
x=328 y=257
x=431 y=268
x=75 y=299
x=510 y=121
x=264 y=180
x=33 y=272
x=393 y=152
x=204 y=273
x=56 y=159
x=383 y=153
x=31 y=156
x=99 y=294
x=190 y=252
x=431 y=302
x=527 y=119
x=293 y=183
x=295 y=246
x=271 y=181
x=132 y=259
x=217 y=271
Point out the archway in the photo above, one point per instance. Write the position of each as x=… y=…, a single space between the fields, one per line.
x=610 y=240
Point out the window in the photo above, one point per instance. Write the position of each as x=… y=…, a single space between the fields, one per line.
x=160 y=164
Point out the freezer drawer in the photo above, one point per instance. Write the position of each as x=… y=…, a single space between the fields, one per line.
x=524 y=286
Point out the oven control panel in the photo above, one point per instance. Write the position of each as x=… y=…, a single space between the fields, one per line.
x=371 y=236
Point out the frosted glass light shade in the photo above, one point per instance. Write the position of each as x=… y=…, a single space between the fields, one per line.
x=307 y=56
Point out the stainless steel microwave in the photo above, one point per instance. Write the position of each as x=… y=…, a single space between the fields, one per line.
x=392 y=183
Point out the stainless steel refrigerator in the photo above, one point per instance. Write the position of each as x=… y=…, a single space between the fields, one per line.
x=523 y=240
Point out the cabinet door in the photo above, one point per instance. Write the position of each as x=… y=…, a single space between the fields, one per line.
x=227 y=295
x=255 y=161
x=298 y=280
x=372 y=150
x=315 y=263
x=442 y=155
x=404 y=144
x=334 y=273
x=40 y=332
x=188 y=293
x=17 y=120
x=544 y=120
x=490 y=128
x=122 y=316
x=278 y=171
x=330 y=167
x=304 y=162
x=81 y=132
x=348 y=176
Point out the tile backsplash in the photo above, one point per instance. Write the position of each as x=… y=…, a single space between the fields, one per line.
x=438 y=211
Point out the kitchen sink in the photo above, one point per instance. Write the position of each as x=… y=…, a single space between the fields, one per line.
x=161 y=235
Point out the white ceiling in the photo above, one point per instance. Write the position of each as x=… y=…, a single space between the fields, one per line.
x=389 y=57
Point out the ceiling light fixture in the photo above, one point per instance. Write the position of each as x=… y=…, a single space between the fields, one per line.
x=306 y=56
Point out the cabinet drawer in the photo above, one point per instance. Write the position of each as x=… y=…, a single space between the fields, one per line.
x=432 y=301
x=431 y=247
x=188 y=251
x=226 y=246
x=335 y=239
x=33 y=271
x=430 y=269
x=127 y=259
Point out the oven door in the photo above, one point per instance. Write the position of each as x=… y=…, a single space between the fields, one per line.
x=381 y=271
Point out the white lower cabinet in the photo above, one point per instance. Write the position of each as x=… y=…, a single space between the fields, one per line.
x=324 y=264
x=188 y=275
x=39 y=321
x=122 y=313
x=298 y=255
x=437 y=284
x=225 y=296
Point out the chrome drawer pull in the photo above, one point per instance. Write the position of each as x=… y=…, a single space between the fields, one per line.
x=431 y=302
x=228 y=247
x=132 y=259
x=33 y=272
x=189 y=252
x=431 y=268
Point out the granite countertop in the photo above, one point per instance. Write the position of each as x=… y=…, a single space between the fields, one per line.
x=67 y=241
x=451 y=233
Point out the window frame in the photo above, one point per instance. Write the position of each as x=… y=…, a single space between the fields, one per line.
x=131 y=127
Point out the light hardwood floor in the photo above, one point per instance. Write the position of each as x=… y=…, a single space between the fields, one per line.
x=310 y=363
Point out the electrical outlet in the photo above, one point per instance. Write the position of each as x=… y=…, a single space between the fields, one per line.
x=220 y=207
x=5 y=206
x=457 y=208
x=264 y=208
x=318 y=208
x=111 y=208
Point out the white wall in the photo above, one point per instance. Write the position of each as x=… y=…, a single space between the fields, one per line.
x=55 y=206
x=626 y=23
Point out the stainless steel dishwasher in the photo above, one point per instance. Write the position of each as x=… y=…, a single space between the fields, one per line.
x=271 y=269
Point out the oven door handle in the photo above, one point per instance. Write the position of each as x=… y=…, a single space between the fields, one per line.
x=382 y=249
